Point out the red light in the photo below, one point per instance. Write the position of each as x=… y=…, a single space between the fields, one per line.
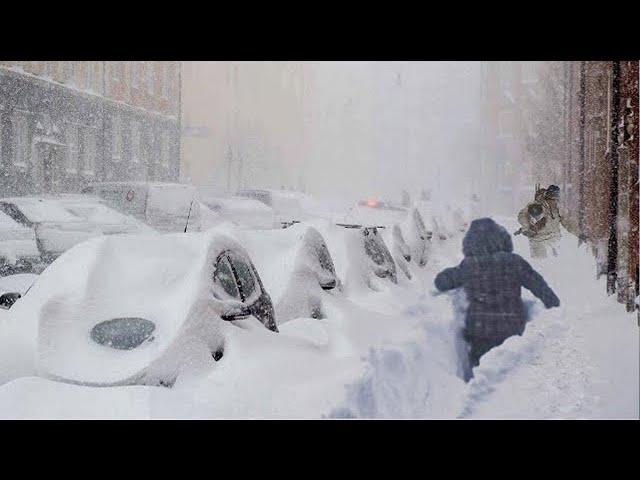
x=372 y=203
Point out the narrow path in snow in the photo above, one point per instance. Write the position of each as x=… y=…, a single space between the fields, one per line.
x=576 y=361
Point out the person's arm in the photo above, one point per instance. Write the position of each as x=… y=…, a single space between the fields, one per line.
x=448 y=279
x=523 y=219
x=533 y=281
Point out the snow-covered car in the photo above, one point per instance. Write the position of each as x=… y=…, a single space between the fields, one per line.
x=241 y=211
x=140 y=309
x=381 y=205
x=404 y=230
x=168 y=207
x=286 y=205
x=361 y=256
x=18 y=247
x=362 y=213
x=417 y=236
x=400 y=250
x=296 y=266
x=382 y=262
x=13 y=287
x=435 y=220
x=61 y=221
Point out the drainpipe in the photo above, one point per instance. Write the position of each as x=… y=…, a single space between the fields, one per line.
x=179 y=156
x=582 y=97
x=612 y=252
x=104 y=136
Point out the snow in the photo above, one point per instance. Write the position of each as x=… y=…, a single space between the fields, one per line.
x=577 y=361
x=66 y=220
x=381 y=351
x=39 y=210
x=109 y=277
x=17 y=283
x=16 y=241
x=164 y=206
x=244 y=212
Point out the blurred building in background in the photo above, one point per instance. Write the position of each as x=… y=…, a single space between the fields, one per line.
x=573 y=124
x=244 y=124
x=65 y=124
x=505 y=177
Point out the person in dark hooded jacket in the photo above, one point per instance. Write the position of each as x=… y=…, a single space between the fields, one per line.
x=492 y=276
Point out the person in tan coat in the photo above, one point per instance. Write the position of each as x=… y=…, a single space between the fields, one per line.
x=541 y=220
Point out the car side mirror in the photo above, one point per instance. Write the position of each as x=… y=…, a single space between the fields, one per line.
x=8 y=299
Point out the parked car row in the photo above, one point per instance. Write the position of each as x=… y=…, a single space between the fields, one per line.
x=140 y=308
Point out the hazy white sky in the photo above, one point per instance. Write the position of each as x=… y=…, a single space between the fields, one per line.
x=379 y=127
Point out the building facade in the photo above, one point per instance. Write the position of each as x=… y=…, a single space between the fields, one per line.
x=573 y=124
x=600 y=168
x=244 y=124
x=65 y=124
x=505 y=177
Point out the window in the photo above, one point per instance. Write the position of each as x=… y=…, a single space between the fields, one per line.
x=506 y=75
x=150 y=77
x=530 y=72
x=165 y=151
x=506 y=124
x=224 y=277
x=70 y=72
x=324 y=258
x=135 y=141
x=138 y=75
x=89 y=74
x=90 y=150
x=21 y=147
x=116 y=139
x=245 y=276
x=373 y=250
x=166 y=72
x=117 y=71
x=71 y=134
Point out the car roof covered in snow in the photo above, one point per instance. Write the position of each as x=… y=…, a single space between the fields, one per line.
x=160 y=278
x=63 y=208
x=236 y=203
x=144 y=184
x=42 y=209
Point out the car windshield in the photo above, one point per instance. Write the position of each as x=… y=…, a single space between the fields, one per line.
x=122 y=333
x=324 y=258
x=223 y=276
x=263 y=197
x=373 y=249
x=419 y=222
x=245 y=276
x=46 y=211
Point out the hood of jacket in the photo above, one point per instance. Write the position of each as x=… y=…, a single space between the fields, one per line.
x=486 y=237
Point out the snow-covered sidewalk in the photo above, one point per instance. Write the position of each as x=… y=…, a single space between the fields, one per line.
x=577 y=361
